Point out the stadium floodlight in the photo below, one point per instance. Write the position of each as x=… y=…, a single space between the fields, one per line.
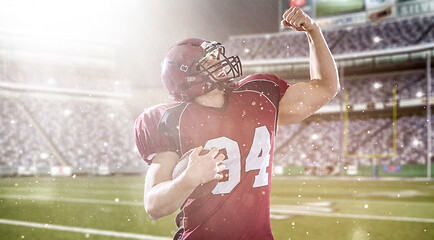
x=377 y=85
x=376 y=39
x=43 y=155
x=67 y=112
x=373 y=156
x=51 y=81
x=416 y=142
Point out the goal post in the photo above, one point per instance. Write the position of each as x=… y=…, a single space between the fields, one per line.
x=373 y=156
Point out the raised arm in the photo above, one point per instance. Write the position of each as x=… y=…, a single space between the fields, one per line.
x=301 y=100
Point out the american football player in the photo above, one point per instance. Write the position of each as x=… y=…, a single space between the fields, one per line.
x=237 y=122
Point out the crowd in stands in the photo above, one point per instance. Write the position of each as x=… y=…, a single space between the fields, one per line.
x=379 y=88
x=20 y=145
x=388 y=34
x=319 y=143
x=60 y=81
x=85 y=134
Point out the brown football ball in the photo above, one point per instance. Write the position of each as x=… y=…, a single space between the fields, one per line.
x=201 y=190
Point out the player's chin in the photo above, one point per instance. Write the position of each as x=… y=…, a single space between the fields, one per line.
x=219 y=76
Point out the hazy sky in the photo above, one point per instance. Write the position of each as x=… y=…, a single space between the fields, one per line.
x=141 y=31
x=163 y=23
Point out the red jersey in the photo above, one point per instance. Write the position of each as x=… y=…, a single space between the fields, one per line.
x=243 y=129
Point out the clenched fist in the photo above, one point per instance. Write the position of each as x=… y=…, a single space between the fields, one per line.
x=298 y=20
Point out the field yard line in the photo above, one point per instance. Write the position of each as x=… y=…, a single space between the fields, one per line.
x=69 y=189
x=82 y=230
x=280 y=210
x=99 y=191
x=376 y=201
x=73 y=200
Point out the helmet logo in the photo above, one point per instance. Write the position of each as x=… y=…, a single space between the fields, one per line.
x=191 y=79
x=183 y=68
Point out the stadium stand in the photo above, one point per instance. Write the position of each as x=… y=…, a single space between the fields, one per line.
x=20 y=145
x=317 y=142
x=367 y=37
x=87 y=134
x=379 y=87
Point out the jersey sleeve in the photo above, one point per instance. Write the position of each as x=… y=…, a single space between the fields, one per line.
x=281 y=84
x=148 y=139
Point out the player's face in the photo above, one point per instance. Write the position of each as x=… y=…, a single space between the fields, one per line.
x=211 y=61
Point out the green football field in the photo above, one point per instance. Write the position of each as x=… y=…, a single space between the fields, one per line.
x=112 y=208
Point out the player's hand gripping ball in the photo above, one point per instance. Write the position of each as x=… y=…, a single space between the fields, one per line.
x=201 y=190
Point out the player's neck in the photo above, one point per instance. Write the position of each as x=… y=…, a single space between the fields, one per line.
x=215 y=99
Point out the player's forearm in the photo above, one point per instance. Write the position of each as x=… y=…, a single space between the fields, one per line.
x=322 y=65
x=167 y=197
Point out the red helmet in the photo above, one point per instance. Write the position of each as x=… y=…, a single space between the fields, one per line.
x=185 y=76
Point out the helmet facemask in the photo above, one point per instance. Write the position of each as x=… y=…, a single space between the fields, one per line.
x=223 y=71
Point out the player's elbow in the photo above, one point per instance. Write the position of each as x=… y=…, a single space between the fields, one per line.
x=152 y=215
x=151 y=208
x=156 y=208
x=153 y=211
x=332 y=90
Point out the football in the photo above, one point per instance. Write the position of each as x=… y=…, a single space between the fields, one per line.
x=201 y=190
